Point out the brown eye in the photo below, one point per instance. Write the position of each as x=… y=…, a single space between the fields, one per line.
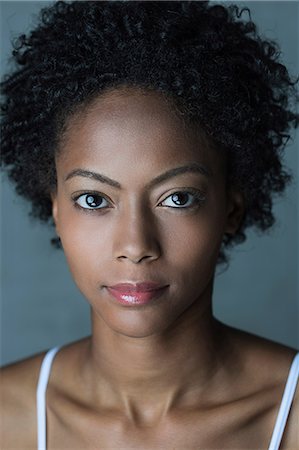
x=184 y=199
x=180 y=198
x=91 y=201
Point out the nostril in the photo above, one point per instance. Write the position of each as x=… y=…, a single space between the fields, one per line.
x=136 y=248
x=138 y=259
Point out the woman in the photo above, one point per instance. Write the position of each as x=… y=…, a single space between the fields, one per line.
x=151 y=132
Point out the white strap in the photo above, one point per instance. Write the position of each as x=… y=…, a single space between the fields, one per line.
x=41 y=397
x=280 y=424
x=285 y=406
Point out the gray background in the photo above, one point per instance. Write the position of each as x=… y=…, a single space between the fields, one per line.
x=40 y=305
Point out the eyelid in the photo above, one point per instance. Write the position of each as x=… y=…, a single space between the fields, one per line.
x=187 y=189
x=78 y=194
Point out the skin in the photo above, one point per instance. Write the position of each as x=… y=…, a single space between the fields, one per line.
x=166 y=374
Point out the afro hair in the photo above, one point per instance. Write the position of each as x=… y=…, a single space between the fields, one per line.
x=222 y=76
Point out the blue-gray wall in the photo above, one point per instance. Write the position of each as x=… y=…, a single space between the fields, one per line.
x=40 y=305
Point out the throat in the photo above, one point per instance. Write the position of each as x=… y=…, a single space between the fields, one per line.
x=148 y=380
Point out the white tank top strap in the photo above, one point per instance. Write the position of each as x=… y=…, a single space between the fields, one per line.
x=41 y=398
x=286 y=404
x=279 y=427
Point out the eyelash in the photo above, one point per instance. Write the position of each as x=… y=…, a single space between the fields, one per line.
x=198 y=199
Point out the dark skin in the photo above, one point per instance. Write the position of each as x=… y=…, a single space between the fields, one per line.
x=166 y=374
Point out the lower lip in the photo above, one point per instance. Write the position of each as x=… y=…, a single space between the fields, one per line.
x=136 y=298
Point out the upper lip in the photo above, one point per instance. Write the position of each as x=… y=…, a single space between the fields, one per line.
x=143 y=286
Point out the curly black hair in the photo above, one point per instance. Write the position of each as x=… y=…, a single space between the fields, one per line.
x=221 y=75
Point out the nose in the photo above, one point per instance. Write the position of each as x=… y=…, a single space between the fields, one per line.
x=136 y=237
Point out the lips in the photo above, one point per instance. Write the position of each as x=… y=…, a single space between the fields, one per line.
x=136 y=294
x=144 y=286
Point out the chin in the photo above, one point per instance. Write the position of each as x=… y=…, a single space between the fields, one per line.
x=135 y=324
x=137 y=334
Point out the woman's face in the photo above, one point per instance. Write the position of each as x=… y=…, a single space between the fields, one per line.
x=139 y=227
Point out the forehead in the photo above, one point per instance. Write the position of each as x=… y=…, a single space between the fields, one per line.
x=127 y=109
x=132 y=124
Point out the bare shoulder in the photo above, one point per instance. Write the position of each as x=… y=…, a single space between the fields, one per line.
x=265 y=358
x=268 y=364
x=18 y=411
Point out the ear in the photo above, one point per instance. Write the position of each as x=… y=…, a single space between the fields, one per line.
x=55 y=211
x=235 y=211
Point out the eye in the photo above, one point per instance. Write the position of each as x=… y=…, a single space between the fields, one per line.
x=185 y=199
x=90 y=201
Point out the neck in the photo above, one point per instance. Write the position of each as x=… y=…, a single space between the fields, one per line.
x=158 y=372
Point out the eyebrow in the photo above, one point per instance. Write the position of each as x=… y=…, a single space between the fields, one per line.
x=189 y=168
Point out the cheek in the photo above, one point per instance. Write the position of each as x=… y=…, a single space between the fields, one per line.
x=193 y=249
x=84 y=241
x=193 y=246
x=198 y=236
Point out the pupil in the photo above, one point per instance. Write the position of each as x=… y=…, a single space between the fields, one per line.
x=90 y=200
x=177 y=198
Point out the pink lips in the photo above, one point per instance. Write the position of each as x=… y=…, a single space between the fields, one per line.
x=137 y=293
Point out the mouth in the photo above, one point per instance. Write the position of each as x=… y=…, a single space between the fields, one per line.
x=136 y=294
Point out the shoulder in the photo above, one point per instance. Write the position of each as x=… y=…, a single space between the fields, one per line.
x=269 y=360
x=18 y=393
x=266 y=365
